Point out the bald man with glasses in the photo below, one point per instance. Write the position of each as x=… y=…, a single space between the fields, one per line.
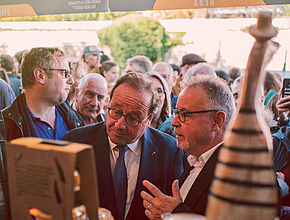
x=200 y=122
x=128 y=150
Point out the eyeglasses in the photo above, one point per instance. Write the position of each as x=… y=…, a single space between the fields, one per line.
x=131 y=121
x=65 y=72
x=182 y=114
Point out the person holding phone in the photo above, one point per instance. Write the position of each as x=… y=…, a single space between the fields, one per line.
x=281 y=147
x=283 y=104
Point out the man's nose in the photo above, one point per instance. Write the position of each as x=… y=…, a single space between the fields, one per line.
x=94 y=101
x=70 y=79
x=175 y=121
x=121 y=123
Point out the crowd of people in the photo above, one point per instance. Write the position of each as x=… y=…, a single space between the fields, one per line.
x=156 y=129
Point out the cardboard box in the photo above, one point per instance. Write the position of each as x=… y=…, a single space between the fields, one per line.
x=41 y=175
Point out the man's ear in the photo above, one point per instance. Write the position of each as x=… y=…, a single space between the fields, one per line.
x=76 y=91
x=86 y=58
x=174 y=78
x=39 y=76
x=219 y=119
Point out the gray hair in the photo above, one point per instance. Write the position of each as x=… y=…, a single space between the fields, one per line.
x=143 y=63
x=218 y=92
x=97 y=76
x=198 y=69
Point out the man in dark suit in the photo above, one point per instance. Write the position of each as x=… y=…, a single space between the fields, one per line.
x=149 y=154
x=200 y=123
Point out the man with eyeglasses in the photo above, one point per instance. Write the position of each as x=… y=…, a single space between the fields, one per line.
x=40 y=111
x=128 y=151
x=199 y=69
x=204 y=109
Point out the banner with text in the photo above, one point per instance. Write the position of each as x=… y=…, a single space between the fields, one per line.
x=16 y=8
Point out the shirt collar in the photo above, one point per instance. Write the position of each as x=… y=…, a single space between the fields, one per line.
x=101 y=117
x=35 y=118
x=32 y=115
x=200 y=162
x=133 y=146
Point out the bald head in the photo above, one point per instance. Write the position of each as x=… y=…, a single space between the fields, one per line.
x=92 y=77
x=199 y=69
x=165 y=70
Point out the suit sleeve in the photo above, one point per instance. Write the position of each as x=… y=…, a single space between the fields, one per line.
x=178 y=164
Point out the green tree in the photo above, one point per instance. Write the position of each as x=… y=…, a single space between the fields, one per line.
x=136 y=35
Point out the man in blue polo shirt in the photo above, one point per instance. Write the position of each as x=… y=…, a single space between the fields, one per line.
x=40 y=111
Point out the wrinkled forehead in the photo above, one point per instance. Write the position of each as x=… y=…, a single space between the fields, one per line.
x=191 y=97
x=97 y=83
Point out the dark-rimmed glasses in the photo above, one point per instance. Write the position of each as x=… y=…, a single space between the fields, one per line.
x=65 y=72
x=131 y=121
x=182 y=114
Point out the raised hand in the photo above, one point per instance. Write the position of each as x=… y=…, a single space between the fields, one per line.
x=160 y=203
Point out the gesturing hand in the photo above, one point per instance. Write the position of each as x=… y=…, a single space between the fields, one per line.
x=160 y=203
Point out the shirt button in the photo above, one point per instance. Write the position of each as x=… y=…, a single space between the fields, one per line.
x=48 y=128
x=9 y=114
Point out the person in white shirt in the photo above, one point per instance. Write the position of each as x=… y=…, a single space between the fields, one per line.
x=204 y=109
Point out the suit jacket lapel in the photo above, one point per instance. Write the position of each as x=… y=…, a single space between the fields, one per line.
x=149 y=154
x=105 y=180
x=203 y=181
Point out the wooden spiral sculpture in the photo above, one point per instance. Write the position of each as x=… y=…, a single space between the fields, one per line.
x=244 y=183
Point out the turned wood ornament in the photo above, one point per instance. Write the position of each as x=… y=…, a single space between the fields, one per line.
x=244 y=182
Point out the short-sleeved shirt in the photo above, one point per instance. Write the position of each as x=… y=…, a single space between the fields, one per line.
x=44 y=130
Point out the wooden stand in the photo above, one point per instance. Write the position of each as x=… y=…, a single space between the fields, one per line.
x=41 y=176
x=244 y=184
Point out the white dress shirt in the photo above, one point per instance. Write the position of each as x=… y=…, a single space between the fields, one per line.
x=132 y=163
x=198 y=164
